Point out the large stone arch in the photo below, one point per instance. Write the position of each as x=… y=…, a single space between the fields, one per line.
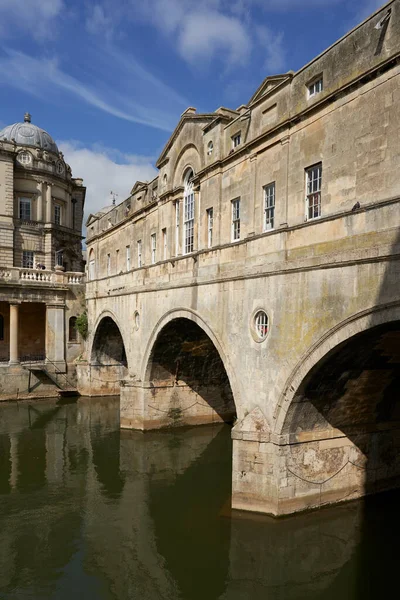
x=343 y=331
x=170 y=399
x=337 y=429
x=105 y=314
x=107 y=356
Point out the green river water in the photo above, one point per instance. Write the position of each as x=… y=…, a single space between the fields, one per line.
x=89 y=511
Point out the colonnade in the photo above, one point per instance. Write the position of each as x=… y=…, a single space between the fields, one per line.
x=55 y=335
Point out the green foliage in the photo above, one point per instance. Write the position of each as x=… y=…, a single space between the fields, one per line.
x=82 y=325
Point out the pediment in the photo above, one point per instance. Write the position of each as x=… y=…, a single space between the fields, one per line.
x=139 y=185
x=91 y=218
x=188 y=116
x=270 y=84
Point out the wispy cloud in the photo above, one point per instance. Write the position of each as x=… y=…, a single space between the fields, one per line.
x=274 y=49
x=200 y=31
x=35 y=17
x=43 y=77
x=105 y=169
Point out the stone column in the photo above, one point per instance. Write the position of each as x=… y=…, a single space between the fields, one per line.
x=14 y=354
x=49 y=202
x=40 y=197
x=55 y=337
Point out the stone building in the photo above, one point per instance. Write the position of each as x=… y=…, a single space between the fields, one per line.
x=41 y=266
x=257 y=277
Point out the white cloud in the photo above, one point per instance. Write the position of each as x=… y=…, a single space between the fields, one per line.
x=200 y=31
x=272 y=44
x=43 y=77
x=103 y=170
x=36 y=17
x=203 y=35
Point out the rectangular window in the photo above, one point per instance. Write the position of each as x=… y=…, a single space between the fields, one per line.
x=236 y=139
x=315 y=87
x=139 y=253
x=177 y=220
x=128 y=258
x=236 y=219
x=269 y=206
x=59 y=258
x=108 y=264
x=153 y=248
x=27 y=259
x=25 y=209
x=189 y=222
x=164 y=238
x=210 y=223
x=57 y=214
x=313 y=191
x=117 y=261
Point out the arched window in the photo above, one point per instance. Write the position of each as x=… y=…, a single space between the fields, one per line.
x=188 y=223
x=72 y=330
x=92 y=265
x=1 y=328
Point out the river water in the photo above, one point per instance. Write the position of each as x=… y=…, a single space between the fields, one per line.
x=89 y=511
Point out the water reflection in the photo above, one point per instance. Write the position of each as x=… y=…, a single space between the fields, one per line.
x=92 y=512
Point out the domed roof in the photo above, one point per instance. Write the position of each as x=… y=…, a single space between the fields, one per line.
x=27 y=134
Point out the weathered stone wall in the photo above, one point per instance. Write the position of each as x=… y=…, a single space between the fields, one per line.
x=320 y=281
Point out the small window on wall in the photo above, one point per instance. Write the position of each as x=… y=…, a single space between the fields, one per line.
x=1 y=328
x=315 y=87
x=27 y=259
x=210 y=148
x=25 y=212
x=236 y=140
x=72 y=330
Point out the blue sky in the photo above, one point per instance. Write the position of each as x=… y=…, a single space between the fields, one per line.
x=109 y=79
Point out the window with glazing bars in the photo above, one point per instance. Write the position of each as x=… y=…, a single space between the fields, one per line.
x=210 y=224
x=27 y=259
x=25 y=209
x=269 y=206
x=139 y=253
x=313 y=191
x=164 y=240
x=153 y=248
x=189 y=218
x=236 y=219
x=57 y=214
x=177 y=219
x=128 y=258
x=108 y=264
x=315 y=87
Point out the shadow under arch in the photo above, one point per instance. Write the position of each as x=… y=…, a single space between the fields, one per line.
x=344 y=331
x=343 y=422
x=187 y=372
x=108 y=360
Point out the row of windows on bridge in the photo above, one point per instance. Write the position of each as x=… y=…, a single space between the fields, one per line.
x=312 y=211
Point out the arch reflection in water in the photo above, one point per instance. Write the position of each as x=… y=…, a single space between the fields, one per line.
x=110 y=514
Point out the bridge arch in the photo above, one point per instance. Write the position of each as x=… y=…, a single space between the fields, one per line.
x=187 y=371
x=108 y=363
x=326 y=347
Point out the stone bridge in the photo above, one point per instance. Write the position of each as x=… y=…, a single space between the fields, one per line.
x=256 y=280
x=314 y=404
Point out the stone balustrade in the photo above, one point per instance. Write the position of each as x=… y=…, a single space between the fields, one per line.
x=17 y=275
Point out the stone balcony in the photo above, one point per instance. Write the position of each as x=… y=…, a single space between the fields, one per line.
x=20 y=276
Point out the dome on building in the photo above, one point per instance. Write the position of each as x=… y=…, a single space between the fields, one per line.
x=27 y=134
